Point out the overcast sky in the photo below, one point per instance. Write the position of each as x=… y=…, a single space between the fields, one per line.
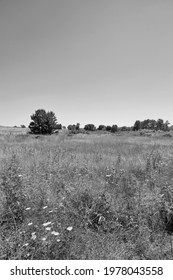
x=89 y=61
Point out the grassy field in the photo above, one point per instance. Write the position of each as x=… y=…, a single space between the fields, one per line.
x=95 y=196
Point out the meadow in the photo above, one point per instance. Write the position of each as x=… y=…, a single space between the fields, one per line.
x=86 y=196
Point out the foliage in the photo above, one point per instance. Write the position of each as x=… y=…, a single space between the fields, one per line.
x=71 y=127
x=151 y=124
x=108 y=128
x=124 y=128
x=137 y=125
x=43 y=122
x=74 y=127
x=114 y=128
x=59 y=126
x=77 y=126
x=101 y=127
x=90 y=127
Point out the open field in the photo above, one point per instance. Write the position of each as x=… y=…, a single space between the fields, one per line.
x=6 y=130
x=95 y=196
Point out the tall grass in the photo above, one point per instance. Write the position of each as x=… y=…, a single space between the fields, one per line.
x=85 y=197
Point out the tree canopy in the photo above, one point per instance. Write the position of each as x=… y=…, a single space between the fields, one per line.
x=43 y=122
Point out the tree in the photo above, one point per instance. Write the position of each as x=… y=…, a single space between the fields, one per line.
x=59 y=126
x=77 y=126
x=124 y=128
x=160 y=124
x=71 y=127
x=101 y=127
x=137 y=125
x=166 y=126
x=90 y=127
x=114 y=128
x=108 y=128
x=42 y=122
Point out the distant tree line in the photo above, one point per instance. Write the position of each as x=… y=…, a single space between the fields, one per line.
x=152 y=124
x=46 y=123
x=146 y=124
x=92 y=127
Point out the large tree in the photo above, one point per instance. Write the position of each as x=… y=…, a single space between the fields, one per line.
x=43 y=122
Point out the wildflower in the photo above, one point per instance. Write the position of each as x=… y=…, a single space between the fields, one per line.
x=20 y=175
x=28 y=208
x=58 y=240
x=30 y=224
x=55 y=233
x=26 y=244
x=46 y=224
x=50 y=211
x=48 y=228
x=43 y=239
x=69 y=228
x=33 y=237
x=108 y=175
x=44 y=207
x=101 y=219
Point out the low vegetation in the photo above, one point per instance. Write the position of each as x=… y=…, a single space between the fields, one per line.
x=89 y=196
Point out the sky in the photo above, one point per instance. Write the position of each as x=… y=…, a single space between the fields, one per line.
x=89 y=61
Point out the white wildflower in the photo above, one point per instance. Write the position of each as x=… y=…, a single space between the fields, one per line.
x=33 y=237
x=50 y=211
x=55 y=233
x=58 y=240
x=20 y=175
x=46 y=224
x=44 y=207
x=26 y=244
x=69 y=228
x=43 y=239
x=30 y=224
x=108 y=175
x=48 y=228
x=28 y=208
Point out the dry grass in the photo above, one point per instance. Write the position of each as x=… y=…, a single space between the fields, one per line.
x=85 y=196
